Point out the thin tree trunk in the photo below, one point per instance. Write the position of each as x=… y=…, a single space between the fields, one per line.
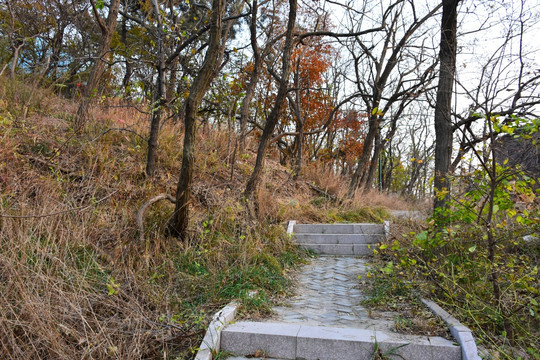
x=158 y=99
x=58 y=42
x=129 y=68
x=443 y=108
x=254 y=76
x=107 y=31
x=180 y=219
x=16 y=46
x=363 y=163
x=273 y=118
x=368 y=183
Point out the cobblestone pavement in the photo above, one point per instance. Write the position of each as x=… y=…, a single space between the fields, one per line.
x=328 y=294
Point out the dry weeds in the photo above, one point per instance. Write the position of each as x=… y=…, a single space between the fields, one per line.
x=75 y=280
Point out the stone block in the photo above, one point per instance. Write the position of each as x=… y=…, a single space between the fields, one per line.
x=212 y=337
x=366 y=229
x=331 y=249
x=327 y=343
x=363 y=250
x=421 y=349
x=268 y=339
x=338 y=238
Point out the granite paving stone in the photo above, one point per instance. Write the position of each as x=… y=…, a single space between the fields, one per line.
x=328 y=294
x=326 y=311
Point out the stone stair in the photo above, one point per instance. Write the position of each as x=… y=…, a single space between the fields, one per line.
x=339 y=239
x=295 y=341
x=326 y=320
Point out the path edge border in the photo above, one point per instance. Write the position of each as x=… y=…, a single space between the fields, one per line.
x=290 y=227
x=461 y=333
x=386 y=227
x=212 y=338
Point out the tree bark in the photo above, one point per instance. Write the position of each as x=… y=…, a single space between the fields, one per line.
x=296 y=106
x=275 y=113
x=107 y=31
x=127 y=63
x=180 y=219
x=364 y=162
x=254 y=76
x=158 y=98
x=368 y=183
x=443 y=107
x=15 y=45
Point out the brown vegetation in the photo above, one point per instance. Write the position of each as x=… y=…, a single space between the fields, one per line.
x=77 y=279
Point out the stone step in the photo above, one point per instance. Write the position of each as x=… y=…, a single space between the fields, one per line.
x=340 y=249
x=251 y=358
x=338 y=238
x=293 y=341
x=339 y=228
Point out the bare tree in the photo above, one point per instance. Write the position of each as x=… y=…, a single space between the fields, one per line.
x=395 y=79
x=273 y=118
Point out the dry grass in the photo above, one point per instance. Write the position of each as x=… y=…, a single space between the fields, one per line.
x=334 y=184
x=74 y=280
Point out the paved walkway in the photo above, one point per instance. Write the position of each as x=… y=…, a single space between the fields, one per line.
x=328 y=294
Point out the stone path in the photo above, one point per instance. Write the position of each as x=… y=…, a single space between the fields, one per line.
x=325 y=318
x=327 y=294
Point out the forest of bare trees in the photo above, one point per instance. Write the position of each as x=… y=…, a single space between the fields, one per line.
x=319 y=81
x=243 y=114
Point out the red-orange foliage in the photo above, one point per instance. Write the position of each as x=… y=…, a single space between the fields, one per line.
x=351 y=126
x=311 y=61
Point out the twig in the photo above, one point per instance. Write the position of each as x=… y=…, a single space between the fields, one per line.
x=322 y=192
x=140 y=213
x=63 y=170
x=4 y=68
x=81 y=208
x=127 y=106
x=120 y=129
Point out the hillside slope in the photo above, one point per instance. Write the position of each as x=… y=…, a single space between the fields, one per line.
x=76 y=280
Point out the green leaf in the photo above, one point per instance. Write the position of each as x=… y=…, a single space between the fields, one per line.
x=383 y=246
x=472 y=249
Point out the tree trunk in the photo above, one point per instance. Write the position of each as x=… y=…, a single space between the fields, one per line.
x=127 y=63
x=180 y=219
x=253 y=79
x=273 y=118
x=299 y=148
x=364 y=162
x=90 y=91
x=368 y=183
x=158 y=98
x=58 y=42
x=443 y=107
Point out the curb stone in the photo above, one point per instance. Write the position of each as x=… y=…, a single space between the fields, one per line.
x=290 y=227
x=460 y=332
x=212 y=338
x=298 y=341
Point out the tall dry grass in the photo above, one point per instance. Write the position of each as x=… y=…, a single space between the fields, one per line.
x=74 y=280
x=337 y=186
